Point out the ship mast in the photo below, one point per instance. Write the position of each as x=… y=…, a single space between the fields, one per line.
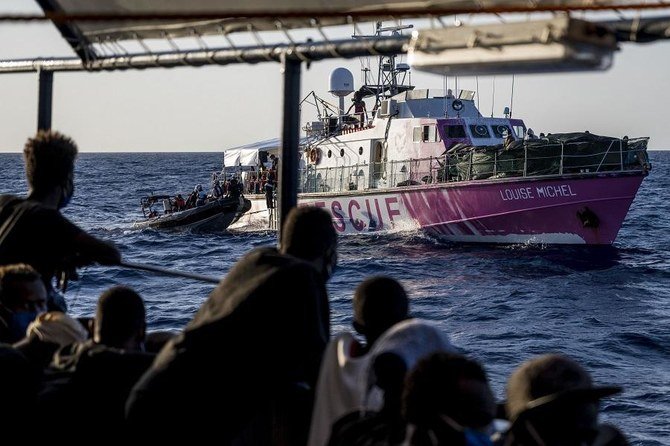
x=390 y=77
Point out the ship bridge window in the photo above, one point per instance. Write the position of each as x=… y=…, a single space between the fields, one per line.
x=455 y=131
x=519 y=131
x=480 y=131
x=425 y=133
x=498 y=129
x=416 y=134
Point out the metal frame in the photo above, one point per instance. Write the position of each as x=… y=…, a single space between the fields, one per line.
x=291 y=55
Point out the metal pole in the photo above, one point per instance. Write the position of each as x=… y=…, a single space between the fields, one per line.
x=45 y=100
x=169 y=272
x=288 y=175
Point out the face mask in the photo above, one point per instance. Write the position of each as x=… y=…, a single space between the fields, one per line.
x=476 y=438
x=66 y=195
x=19 y=324
x=330 y=266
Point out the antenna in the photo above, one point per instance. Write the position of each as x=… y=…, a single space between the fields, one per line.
x=511 y=101
x=493 y=100
x=446 y=101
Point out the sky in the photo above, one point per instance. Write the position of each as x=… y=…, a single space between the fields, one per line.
x=217 y=107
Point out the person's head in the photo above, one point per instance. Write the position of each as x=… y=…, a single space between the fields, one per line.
x=23 y=295
x=198 y=188
x=530 y=131
x=556 y=396
x=120 y=319
x=449 y=395
x=379 y=303
x=49 y=158
x=308 y=234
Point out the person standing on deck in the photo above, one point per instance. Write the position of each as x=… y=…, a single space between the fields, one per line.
x=508 y=139
x=32 y=229
x=530 y=134
x=217 y=191
x=269 y=188
x=247 y=363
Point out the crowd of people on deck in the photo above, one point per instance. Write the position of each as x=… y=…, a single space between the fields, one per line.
x=257 y=364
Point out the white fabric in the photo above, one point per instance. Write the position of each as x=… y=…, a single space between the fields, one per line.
x=338 y=388
x=412 y=340
x=58 y=328
x=347 y=384
x=247 y=155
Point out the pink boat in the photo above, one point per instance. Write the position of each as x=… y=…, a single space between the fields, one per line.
x=429 y=161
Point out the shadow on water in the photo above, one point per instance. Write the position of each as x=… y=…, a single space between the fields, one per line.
x=568 y=257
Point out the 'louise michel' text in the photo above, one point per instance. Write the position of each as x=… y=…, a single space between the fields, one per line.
x=530 y=193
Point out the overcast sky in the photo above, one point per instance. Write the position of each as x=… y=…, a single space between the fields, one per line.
x=213 y=108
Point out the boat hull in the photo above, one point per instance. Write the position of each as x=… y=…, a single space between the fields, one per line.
x=214 y=216
x=584 y=209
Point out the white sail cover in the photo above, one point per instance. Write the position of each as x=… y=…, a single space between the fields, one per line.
x=225 y=16
x=247 y=155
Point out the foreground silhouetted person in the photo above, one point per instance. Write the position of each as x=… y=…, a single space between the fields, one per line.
x=551 y=401
x=379 y=303
x=33 y=231
x=245 y=366
x=90 y=381
x=447 y=401
x=22 y=297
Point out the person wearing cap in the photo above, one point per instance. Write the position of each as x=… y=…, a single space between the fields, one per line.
x=551 y=401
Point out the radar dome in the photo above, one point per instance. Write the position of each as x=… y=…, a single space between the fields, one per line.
x=341 y=82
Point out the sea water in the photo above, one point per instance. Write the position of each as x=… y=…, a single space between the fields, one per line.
x=607 y=308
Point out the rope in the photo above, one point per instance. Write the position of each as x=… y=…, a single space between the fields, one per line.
x=169 y=272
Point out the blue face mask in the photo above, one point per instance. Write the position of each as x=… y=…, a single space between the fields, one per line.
x=476 y=438
x=19 y=324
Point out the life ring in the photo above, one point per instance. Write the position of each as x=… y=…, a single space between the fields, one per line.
x=315 y=155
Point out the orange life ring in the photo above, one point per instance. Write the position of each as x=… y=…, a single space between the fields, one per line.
x=315 y=155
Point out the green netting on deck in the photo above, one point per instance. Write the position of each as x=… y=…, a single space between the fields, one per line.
x=554 y=155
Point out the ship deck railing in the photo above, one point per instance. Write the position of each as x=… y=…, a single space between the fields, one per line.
x=475 y=164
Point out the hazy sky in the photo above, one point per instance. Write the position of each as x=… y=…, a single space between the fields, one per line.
x=212 y=108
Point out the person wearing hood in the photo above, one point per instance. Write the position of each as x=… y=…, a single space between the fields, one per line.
x=247 y=363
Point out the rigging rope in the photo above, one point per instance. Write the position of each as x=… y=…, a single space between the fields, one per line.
x=169 y=272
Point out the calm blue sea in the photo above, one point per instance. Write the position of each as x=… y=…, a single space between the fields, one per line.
x=607 y=308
